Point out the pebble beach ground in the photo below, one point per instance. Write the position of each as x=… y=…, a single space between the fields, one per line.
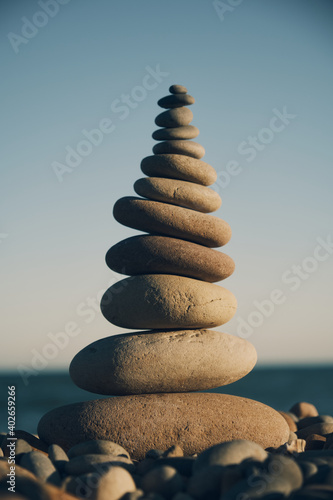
x=302 y=468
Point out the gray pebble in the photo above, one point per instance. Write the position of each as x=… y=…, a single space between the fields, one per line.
x=321 y=428
x=188 y=148
x=21 y=446
x=229 y=453
x=58 y=457
x=171 y=133
x=307 y=421
x=283 y=476
x=176 y=101
x=174 y=117
x=40 y=465
x=97 y=446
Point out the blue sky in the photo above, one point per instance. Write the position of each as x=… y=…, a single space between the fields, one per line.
x=256 y=61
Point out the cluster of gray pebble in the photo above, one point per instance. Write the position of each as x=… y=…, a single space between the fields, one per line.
x=102 y=470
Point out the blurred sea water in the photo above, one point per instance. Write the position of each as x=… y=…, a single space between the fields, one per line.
x=279 y=387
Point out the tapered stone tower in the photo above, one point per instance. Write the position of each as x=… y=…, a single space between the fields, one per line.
x=169 y=294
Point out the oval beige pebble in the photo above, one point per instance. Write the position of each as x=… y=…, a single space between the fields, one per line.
x=152 y=362
x=170 y=220
x=231 y=453
x=304 y=409
x=166 y=301
x=181 y=193
x=113 y=485
x=185 y=132
x=176 y=101
x=164 y=480
x=188 y=148
x=150 y=254
x=97 y=446
x=179 y=167
x=177 y=89
x=174 y=117
x=195 y=421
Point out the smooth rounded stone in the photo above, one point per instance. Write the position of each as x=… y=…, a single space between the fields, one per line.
x=229 y=453
x=315 y=442
x=56 y=454
x=177 y=147
x=164 y=480
x=170 y=220
x=83 y=464
x=41 y=466
x=289 y=420
x=171 y=133
x=149 y=254
x=58 y=457
x=176 y=101
x=307 y=421
x=173 y=451
x=21 y=446
x=176 y=117
x=157 y=301
x=195 y=421
x=152 y=362
x=177 y=89
x=303 y=409
x=321 y=428
x=182 y=193
x=179 y=167
x=283 y=477
x=112 y=485
x=96 y=447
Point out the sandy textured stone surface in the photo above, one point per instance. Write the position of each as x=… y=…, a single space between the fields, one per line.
x=189 y=148
x=194 y=421
x=179 y=167
x=175 y=101
x=185 y=132
x=153 y=301
x=174 y=117
x=171 y=220
x=152 y=362
x=150 y=254
x=176 y=192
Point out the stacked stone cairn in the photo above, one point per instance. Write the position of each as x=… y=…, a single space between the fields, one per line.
x=170 y=295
